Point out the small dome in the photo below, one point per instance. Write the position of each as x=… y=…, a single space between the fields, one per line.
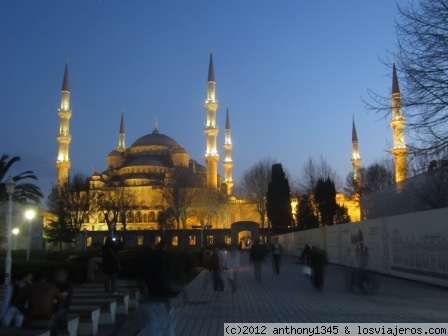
x=156 y=139
x=115 y=153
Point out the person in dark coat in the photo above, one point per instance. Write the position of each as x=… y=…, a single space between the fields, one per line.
x=38 y=302
x=111 y=264
x=306 y=255
x=277 y=251
x=257 y=256
x=317 y=262
x=159 y=309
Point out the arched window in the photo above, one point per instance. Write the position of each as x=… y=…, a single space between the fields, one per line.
x=145 y=218
x=138 y=217
x=152 y=216
x=130 y=217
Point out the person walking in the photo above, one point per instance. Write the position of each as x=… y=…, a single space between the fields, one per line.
x=111 y=264
x=317 y=262
x=257 y=256
x=277 y=251
x=216 y=266
x=233 y=267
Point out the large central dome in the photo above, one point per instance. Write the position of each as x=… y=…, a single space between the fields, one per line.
x=156 y=139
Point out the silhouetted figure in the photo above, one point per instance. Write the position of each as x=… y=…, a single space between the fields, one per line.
x=277 y=251
x=233 y=267
x=306 y=255
x=111 y=264
x=38 y=302
x=159 y=311
x=9 y=312
x=362 y=274
x=257 y=256
x=215 y=267
x=317 y=262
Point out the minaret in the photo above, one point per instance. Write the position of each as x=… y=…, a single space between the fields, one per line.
x=356 y=158
x=211 y=129
x=64 y=137
x=398 y=122
x=121 y=137
x=228 y=163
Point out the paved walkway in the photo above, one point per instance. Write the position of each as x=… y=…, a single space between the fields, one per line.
x=289 y=298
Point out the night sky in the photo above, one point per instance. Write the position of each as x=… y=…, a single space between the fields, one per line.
x=293 y=72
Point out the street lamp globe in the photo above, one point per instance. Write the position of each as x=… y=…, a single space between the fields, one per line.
x=15 y=231
x=29 y=214
x=10 y=185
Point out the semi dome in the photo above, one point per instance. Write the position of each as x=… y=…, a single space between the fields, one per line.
x=156 y=139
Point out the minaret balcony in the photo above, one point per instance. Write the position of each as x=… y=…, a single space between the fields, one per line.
x=64 y=139
x=65 y=114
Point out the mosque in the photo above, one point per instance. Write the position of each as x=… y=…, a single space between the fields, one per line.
x=147 y=166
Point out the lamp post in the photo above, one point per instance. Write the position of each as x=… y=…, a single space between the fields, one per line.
x=10 y=185
x=15 y=232
x=29 y=214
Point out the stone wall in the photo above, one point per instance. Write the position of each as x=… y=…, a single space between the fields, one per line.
x=412 y=246
x=182 y=238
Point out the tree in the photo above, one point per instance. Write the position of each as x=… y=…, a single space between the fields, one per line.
x=255 y=183
x=306 y=214
x=432 y=187
x=116 y=202
x=353 y=188
x=166 y=221
x=278 y=200
x=212 y=203
x=59 y=229
x=341 y=216
x=312 y=172
x=24 y=192
x=422 y=35
x=325 y=199
x=180 y=192
x=376 y=177
x=71 y=203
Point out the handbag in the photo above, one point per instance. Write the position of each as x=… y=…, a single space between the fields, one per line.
x=307 y=271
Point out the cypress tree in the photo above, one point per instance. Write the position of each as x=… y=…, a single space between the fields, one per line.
x=278 y=200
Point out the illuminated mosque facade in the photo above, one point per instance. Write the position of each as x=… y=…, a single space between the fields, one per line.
x=146 y=167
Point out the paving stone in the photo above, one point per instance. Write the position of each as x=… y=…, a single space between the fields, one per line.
x=290 y=298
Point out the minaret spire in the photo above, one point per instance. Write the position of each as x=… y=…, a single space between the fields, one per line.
x=398 y=122
x=356 y=158
x=122 y=135
x=64 y=138
x=211 y=129
x=228 y=163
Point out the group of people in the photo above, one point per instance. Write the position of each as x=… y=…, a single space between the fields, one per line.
x=314 y=258
x=259 y=253
x=224 y=263
x=36 y=301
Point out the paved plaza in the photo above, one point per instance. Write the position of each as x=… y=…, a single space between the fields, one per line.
x=289 y=297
